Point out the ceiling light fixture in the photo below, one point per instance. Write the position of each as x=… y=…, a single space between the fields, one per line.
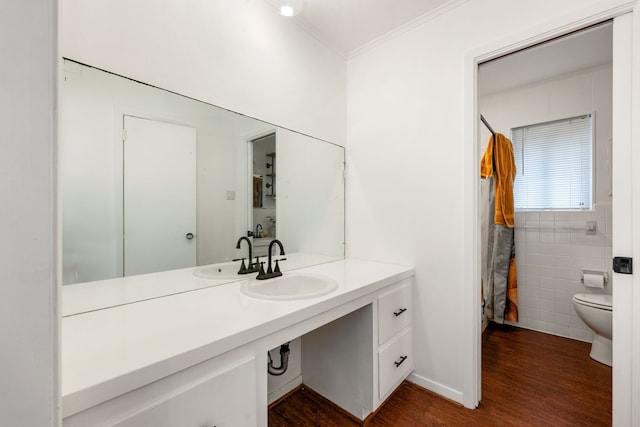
x=289 y=7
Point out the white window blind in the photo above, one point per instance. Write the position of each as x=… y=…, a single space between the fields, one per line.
x=554 y=164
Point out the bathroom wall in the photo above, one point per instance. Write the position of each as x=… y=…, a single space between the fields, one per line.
x=240 y=55
x=408 y=174
x=405 y=120
x=551 y=247
x=29 y=294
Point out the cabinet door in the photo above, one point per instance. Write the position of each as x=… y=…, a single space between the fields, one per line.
x=221 y=399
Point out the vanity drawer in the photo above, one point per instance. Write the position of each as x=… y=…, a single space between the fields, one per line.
x=394 y=311
x=395 y=362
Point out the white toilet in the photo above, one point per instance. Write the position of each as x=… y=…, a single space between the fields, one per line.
x=596 y=311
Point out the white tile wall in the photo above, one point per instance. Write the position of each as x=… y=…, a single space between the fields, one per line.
x=551 y=251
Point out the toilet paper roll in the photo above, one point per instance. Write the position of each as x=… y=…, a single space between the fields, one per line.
x=593 y=280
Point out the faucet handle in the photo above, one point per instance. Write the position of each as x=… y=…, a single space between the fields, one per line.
x=261 y=274
x=277 y=267
x=243 y=267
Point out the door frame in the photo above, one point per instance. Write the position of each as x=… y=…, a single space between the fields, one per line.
x=625 y=391
x=248 y=139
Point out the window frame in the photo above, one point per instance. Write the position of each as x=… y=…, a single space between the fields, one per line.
x=592 y=116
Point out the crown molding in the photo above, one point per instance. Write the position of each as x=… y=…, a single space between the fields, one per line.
x=450 y=5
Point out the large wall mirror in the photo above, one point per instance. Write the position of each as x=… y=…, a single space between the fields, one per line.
x=152 y=181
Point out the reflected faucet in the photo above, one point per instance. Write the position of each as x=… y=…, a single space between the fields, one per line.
x=275 y=271
x=253 y=267
x=258 y=234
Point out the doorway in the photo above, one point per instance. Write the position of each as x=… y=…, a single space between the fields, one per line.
x=263 y=202
x=624 y=375
x=541 y=96
x=554 y=101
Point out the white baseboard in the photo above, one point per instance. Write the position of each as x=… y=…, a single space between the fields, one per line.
x=435 y=387
x=284 y=389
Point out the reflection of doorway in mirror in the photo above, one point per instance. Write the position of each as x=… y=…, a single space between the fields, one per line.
x=264 y=195
x=159 y=196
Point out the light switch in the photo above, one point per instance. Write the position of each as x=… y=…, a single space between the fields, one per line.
x=231 y=195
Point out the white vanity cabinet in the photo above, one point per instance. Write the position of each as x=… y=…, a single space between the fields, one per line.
x=358 y=360
x=218 y=392
x=395 y=343
x=200 y=358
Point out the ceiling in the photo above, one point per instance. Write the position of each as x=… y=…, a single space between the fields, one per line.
x=577 y=51
x=346 y=25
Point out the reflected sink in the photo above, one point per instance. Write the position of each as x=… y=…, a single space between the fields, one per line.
x=222 y=271
x=289 y=287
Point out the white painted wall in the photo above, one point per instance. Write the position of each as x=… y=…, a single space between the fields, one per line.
x=310 y=216
x=406 y=184
x=28 y=295
x=239 y=55
x=550 y=257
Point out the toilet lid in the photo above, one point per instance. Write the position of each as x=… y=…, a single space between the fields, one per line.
x=604 y=302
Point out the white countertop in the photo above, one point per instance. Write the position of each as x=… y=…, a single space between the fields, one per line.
x=84 y=297
x=108 y=352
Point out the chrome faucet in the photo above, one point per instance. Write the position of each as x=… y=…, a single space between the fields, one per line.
x=275 y=271
x=253 y=267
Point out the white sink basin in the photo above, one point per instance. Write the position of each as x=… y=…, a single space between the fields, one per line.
x=289 y=287
x=222 y=271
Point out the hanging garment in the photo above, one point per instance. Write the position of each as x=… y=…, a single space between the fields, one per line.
x=505 y=171
x=487 y=212
x=511 y=310
x=498 y=266
x=497 y=261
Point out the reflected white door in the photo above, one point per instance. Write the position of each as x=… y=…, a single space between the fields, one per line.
x=159 y=196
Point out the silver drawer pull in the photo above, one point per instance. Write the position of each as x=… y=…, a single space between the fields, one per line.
x=399 y=312
x=401 y=361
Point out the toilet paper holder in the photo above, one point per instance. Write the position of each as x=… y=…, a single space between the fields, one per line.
x=594 y=272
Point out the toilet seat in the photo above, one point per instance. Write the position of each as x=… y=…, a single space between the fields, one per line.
x=599 y=301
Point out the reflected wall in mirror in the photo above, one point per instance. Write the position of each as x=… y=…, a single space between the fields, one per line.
x=154 y=181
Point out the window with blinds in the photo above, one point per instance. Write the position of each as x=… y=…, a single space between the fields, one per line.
x=554 y=164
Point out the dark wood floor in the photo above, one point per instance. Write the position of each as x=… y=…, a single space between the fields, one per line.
x=528 y=379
